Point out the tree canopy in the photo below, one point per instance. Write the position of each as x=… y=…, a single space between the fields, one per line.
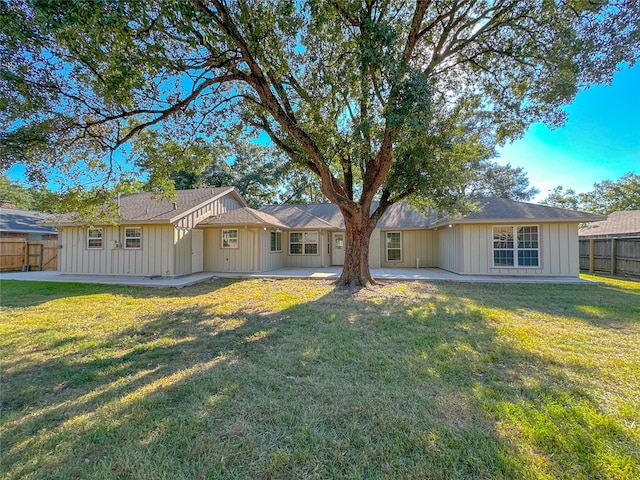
x=606 y=197
x=379 y=99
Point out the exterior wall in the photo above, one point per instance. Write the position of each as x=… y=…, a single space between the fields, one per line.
x=156 y=257
x=558 y=251
x=268 y=259
x=241 y=259
x=316 y=261
x=416 y=244
x=447 y=248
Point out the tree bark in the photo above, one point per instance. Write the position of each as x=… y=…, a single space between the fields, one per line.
x=356 y=272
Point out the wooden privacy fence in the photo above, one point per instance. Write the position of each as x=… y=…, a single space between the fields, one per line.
x=615 y=256
x=15 y=253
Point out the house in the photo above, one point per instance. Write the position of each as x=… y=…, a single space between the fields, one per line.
x=612 y=246
x=213 y=230
x=24 y=242
x=617 y=224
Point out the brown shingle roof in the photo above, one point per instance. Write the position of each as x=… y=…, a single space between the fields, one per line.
x=617 y=224
x=146 y=207
x=328 y=215
x=243 y=216
x=296 y=216
x=24 y=221
x=503 y=209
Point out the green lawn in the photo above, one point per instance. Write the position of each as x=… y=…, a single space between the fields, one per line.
x=265 y=379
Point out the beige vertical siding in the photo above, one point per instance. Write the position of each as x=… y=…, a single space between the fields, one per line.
x=558 y=252
x=241 y=259
x=319 y=260
x=375 y=249
x=416 y=244
x=447 y=248
x=269 y=260
x=156 y=257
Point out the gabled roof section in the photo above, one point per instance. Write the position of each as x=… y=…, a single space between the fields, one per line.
x=617 y=224
x=328 y=215
x=243 y=216
x=496 y=210
x=297 y=216
x=24 y=221
x=146 y=207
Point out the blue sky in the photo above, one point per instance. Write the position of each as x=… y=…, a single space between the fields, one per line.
x=600 y=140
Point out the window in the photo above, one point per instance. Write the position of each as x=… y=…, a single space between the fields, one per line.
x=94 y=238
x=516 y=246
x=229 y=238
x=133 y=237
x=276 y=241
x=394 y=247
x=303 y=243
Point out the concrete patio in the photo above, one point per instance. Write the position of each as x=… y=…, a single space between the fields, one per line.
x=329 y=273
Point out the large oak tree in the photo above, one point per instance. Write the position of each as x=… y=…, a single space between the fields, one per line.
x=379 y=99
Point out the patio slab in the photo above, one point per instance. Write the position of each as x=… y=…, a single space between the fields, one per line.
x=329 y=273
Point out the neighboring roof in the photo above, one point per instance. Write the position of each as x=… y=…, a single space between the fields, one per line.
x=243 y=216
x=146 y=207
x=24 y=221
x=505 y=210
x=617 y=224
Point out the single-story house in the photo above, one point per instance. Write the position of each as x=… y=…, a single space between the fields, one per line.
x=213 y=230
x=24 y=242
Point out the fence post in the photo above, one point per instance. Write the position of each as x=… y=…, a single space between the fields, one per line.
x=592 y=254
x=613 y=256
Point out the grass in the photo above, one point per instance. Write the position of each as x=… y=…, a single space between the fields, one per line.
x=265 y=379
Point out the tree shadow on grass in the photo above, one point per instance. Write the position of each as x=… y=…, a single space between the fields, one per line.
x=411 y=384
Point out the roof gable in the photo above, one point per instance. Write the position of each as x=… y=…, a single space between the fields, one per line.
x=243 y=216
x=147 y=207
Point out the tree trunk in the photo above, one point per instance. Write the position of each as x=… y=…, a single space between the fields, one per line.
x=355 y=272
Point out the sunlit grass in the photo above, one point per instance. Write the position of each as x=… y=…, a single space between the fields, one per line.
x=294 y=379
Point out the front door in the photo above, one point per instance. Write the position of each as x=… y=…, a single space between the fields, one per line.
x=197 y=250
x=337 y=248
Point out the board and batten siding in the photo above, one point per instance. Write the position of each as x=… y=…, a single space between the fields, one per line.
x=313 y=261
x=447 y=245
x=268 y=259
x=558 y=251
x=416 y=247
x=375 y=250
x=241 y=259
x=155 y=257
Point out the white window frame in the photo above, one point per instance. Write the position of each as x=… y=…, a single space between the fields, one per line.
x=277 y=236
x=127 y=237
x=305 y=241
x=387 y=248
x=230 y=242
x=100 y=237
x=519 y=245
